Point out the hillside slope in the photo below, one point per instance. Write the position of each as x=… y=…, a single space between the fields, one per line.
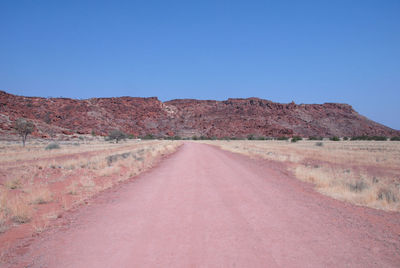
x=186 y=117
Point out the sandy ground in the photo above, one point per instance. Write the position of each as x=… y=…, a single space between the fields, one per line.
x=204 y=207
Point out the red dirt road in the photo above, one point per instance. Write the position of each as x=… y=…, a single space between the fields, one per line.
x=203 y=207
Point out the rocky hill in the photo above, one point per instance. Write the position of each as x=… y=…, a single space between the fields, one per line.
x=185 y=117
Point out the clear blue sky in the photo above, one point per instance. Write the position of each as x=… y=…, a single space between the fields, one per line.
x=305 y=51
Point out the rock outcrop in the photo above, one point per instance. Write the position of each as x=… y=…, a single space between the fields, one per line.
x=185 y=117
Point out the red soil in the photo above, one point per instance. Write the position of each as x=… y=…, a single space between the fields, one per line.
x=203 y=207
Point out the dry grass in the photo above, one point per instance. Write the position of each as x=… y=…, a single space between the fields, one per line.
x=40 y=194
x=365 y=173
x=20 y=210
x=66 y=177
x=13 y=184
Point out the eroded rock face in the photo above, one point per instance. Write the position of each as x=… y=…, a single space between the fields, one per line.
x=186 y=117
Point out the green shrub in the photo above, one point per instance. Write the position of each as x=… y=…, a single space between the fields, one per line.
x=116 y=135
x=320 y=144
x=283 y=138
x=251 y=137
x=345 y=138
x=359 y=138
x=395 y=138
x=314 y=138
x=52 y=146
x=195 y=138
x=334 y=138
x=369 y=138
x=296 y=138
x=378 y=138
x=148 y=137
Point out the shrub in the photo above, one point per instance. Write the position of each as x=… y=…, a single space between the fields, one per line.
x=116 y=135
x=395 y=138
x=296 y=138
x=195 y=138
x=12 y=184
x=313 y=138
x=130 y=136
x=359 y=138
x=115 y=157
x=378 y=138
x=250 y=137
x=282 y=138
x=52 y=146
x=319 y=144
x=358 y=186
x=345 y=138
x=369 y=138
x=24 y=128
x=334 y=138
x=388 y=195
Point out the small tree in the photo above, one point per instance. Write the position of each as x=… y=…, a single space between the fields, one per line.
x=24 y=128
x=116 y=135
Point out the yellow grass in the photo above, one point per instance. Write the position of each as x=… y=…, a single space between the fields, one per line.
x=337 y=169
x=27 y=175
x=19 y=209
x=40 y=194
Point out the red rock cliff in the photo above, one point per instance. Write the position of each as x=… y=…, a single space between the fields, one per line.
x=186 y=117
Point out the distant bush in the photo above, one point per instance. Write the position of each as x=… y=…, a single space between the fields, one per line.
x=395 y=138
x=116 y=135
x=319 y=144
x=334 y=138
x=172 y=138
x=378 y=138
x=52 y=146
x=388 y=194
x=359 y=138
x=345 y=138
x=148 y=137
x=251 y=137
x=130 y=136
x=369 y=138
x=313 y=138
x=283 y=138
x=195 y=138
x=296 y=138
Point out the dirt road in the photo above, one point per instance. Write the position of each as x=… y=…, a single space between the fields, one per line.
x=203 y=207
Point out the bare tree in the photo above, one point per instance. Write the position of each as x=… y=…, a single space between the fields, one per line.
x=116 y=135
x=24 y=128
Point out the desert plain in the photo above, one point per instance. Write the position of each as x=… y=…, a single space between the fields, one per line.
x=204 y=203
